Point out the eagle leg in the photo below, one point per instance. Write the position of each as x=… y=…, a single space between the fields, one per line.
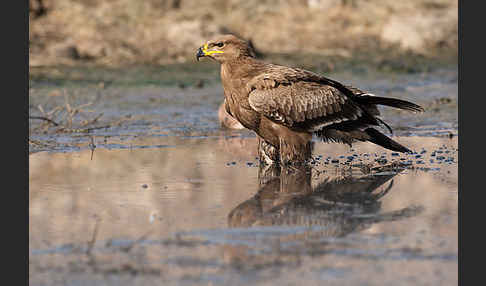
x=268 y=173
x=295 y=154
x=268 y=154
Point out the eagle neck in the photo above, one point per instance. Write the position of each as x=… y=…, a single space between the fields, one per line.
x=241 y=68
x=235 y=75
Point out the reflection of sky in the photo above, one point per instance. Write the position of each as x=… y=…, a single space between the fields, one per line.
x=159 y=196
x=192 y=186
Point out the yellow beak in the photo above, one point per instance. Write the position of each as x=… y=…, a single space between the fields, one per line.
x=203 y=52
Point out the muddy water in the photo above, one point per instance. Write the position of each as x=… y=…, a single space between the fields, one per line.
x=195 y=211
x=134 y=103
x=168 y=197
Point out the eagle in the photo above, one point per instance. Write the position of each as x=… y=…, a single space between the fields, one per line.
x=286 y=106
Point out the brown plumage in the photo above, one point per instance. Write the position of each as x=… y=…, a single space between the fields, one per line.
x=286 y=106
x=227 y=120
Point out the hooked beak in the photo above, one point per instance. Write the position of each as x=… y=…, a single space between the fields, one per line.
x=199 y=53
x=205 y=52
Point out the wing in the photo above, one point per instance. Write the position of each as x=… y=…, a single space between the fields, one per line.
x=296 y=99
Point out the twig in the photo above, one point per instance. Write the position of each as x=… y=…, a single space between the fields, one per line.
x=93 y=238
x=88 y=122
x=41 y=109
x=92 y=146
x=140 y=239
x=44 y=118
x=81 y=130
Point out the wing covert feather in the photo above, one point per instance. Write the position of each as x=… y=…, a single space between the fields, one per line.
x=293 y=101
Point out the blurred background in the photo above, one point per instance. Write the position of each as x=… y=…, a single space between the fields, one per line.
x=128 y=32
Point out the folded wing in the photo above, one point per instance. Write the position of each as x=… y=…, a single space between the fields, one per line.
x=298 y=102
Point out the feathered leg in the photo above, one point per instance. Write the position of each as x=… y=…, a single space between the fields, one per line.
x=267 y=153
x=295 y=153
x=267 y=173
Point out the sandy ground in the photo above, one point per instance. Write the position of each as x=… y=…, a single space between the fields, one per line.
x=121 y=32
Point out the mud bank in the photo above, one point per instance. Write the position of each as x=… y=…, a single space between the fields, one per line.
x=111 y=105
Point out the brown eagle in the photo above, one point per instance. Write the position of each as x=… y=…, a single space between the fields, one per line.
x=285 y=106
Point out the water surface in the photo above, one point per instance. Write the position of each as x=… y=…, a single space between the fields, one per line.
x=200 y=211
x=156 y=192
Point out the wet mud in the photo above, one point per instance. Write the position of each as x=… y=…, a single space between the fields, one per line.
x=121 y=105
x=155 y=192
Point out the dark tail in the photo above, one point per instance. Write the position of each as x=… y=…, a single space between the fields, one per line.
x=380 y=139
x=369 y=134
x=393 y=102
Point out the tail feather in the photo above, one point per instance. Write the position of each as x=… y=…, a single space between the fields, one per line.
x=380 y=139
x=369 y=134
x=393 y=102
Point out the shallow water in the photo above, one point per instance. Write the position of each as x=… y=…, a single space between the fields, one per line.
x=132 y=107
x=168 y=197
x=196 y=212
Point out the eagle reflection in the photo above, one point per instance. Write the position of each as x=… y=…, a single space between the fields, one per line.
x=338 y=205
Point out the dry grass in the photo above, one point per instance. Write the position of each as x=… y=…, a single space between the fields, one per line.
x=67 y=119
x=125 y=32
